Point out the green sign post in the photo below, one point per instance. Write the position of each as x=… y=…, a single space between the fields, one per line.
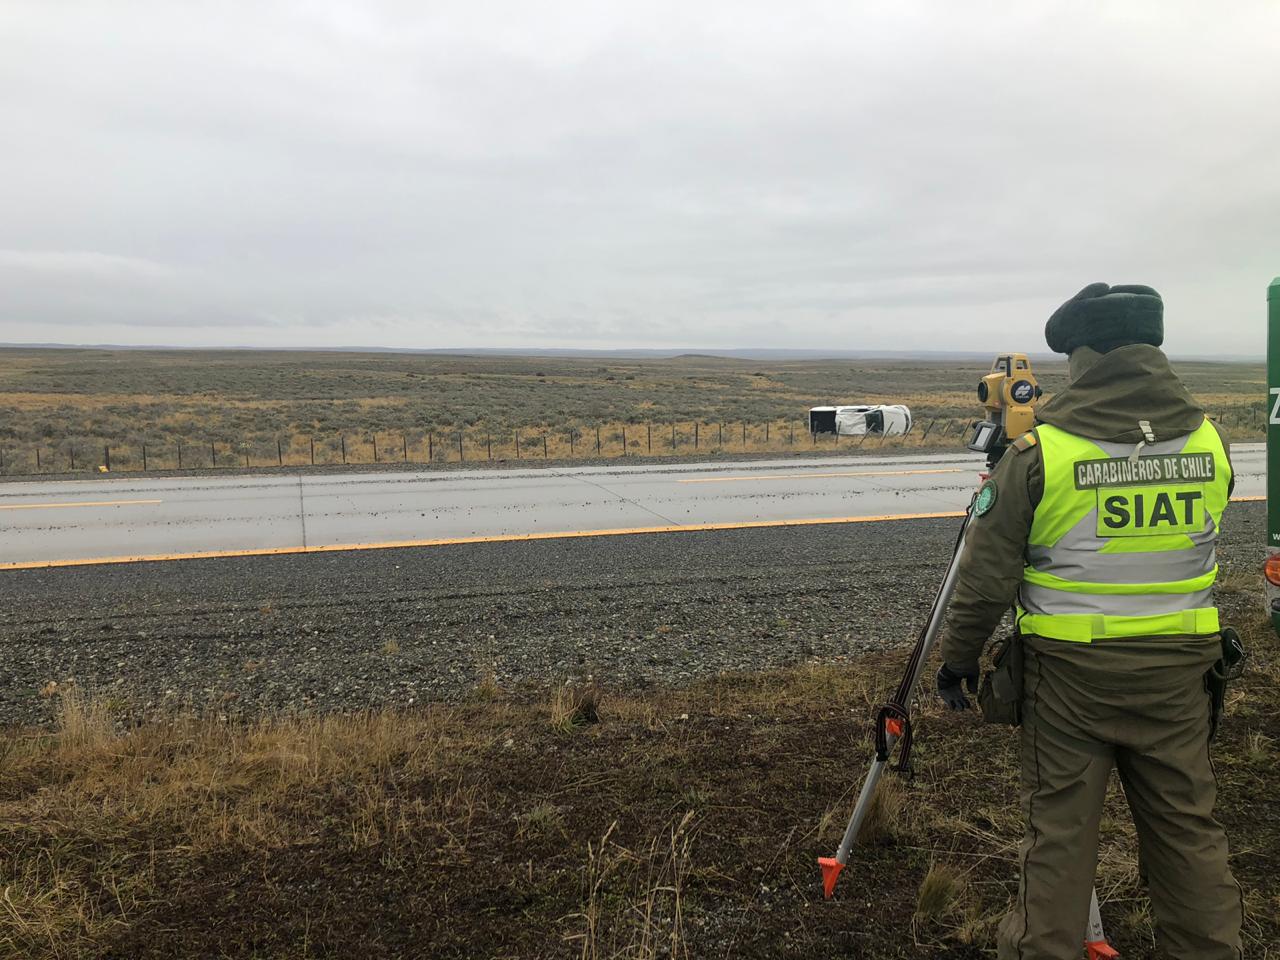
x=1273 y=446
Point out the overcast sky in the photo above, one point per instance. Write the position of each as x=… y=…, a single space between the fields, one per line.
x=695 y=174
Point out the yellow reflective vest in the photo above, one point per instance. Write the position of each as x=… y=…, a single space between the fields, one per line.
x=1122 y=542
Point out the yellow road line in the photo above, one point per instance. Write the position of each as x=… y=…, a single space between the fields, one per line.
x=500 y=538
x=816 y=476
x=453 y=541
x=86 y=503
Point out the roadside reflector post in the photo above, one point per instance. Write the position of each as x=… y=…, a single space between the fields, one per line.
x=1273 y=449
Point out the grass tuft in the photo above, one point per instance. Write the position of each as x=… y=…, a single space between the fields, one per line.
x=938 y=892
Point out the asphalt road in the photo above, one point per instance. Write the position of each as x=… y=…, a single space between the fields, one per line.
x=65 y=522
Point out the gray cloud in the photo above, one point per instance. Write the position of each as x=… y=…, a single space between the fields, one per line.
x=638 y=174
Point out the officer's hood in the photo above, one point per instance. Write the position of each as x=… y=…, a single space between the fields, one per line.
x=1119 y=388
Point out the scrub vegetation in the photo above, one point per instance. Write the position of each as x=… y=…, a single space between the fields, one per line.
x=575 y=823
x=226 y=407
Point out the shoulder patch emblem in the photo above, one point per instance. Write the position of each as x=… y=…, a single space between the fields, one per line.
x=986 y=498
x=1025 y=442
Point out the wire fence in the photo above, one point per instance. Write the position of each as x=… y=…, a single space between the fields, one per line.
x=591 y=442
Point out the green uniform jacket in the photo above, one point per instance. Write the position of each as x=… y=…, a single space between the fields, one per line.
x=1105 y=402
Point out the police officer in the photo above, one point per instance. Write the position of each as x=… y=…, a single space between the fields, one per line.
x=1099 y=528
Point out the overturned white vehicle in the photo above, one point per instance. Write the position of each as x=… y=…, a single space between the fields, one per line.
x=857 y=421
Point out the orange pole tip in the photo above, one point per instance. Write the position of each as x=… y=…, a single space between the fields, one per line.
x=1100 y=950
x=894 y=726
x=831 y=868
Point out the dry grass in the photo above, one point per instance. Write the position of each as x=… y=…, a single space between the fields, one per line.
x=939 y=891
x=633 y=900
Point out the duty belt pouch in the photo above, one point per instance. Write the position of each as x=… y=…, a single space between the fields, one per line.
x=1228 y=668
x=1000 y=696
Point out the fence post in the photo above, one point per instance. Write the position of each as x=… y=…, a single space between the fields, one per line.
x=313 y=450
x=213 y=453
x=744 y=434
x=649 y=432
x=106 y=455
x=597 y=439
x=246 y=458
x=624 y=440
x=461 y=456
x=673 y=434
x=766 y=431
x=544 y=446
x=73 y=456
x=517 y=444
x=431 y=447
x=144 y=459
x=792 y=441
x=37 y=459
x=488 y=445
x=375 y=447
x=572 y=447
x=179 y=454
x=344 y=448
x=279 y=453
x=925 y=436
x=720 y=435
x=404 y=445
x=695 y=434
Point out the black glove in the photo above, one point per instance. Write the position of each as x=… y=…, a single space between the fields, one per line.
x=949 y=688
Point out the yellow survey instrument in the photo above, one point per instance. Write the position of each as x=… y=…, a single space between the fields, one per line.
x=1009 y=394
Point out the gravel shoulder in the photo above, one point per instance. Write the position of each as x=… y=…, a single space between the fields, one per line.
x=346 y=631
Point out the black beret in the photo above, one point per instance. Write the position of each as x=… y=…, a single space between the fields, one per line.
x=1105 y=317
